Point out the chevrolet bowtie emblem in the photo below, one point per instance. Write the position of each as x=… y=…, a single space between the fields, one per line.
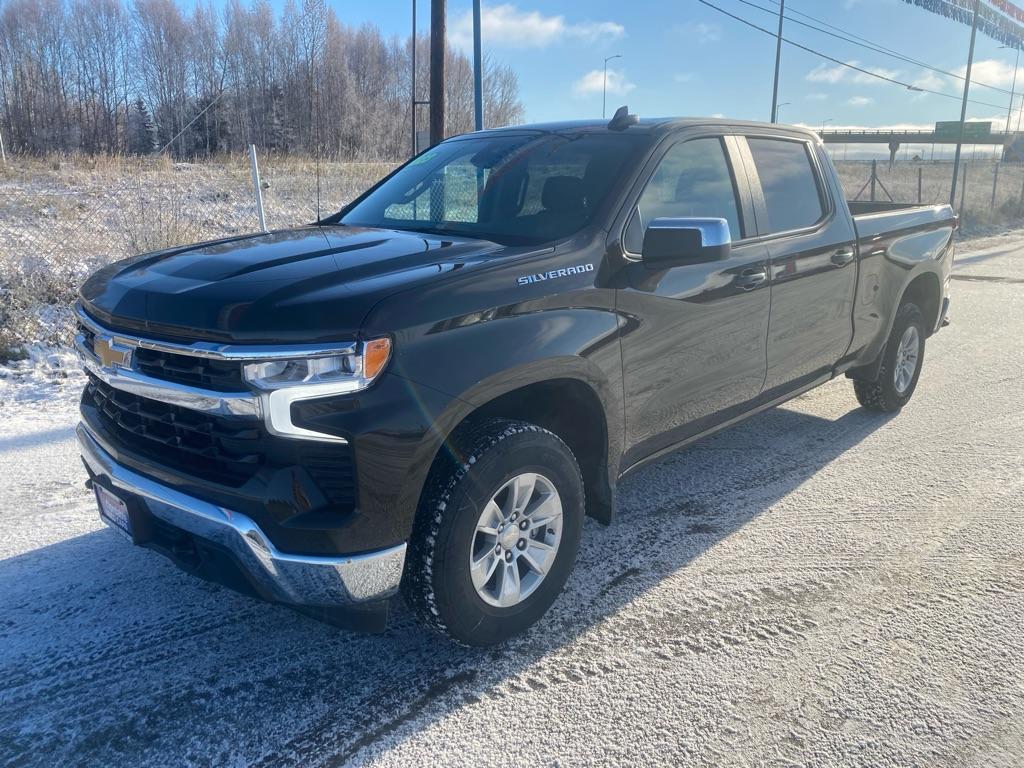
x=111 y=354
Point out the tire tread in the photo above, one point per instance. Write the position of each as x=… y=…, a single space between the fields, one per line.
x=478 y=440
x=880 y=395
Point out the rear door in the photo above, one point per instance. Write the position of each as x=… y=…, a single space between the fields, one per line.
x=693 y=343
x=813 y=266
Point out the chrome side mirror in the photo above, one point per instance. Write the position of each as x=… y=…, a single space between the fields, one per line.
x=672 y=242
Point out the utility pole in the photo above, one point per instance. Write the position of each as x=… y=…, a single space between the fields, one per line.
x=478 y=70
x=412 y=88
x=437 y=43
x=1013 y=88
x=778 y=59
x=963 y=106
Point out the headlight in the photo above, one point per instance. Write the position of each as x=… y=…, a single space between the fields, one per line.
x=350 y=372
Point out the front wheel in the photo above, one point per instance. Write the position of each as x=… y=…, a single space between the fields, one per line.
x=497 y=533
x=902 y=359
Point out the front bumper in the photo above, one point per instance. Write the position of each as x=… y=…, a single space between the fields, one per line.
x=313 y=582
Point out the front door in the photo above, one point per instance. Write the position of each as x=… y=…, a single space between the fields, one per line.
x=693 y=341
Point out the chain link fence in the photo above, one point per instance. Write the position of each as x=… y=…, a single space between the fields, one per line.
x=990 y=194
x=63 y=218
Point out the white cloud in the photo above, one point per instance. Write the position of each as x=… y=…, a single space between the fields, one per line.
x=699 y=32
x=708 y=33
x=931 y=81
x=816 y=96
x=684 y=77
x=593 y=82
x=865 y=79
x=595 y=31
x=990 y=72
x=507 y=26
x=837 y=73
x=860 y=101
x=825 y=73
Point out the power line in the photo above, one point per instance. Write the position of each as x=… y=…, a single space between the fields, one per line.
x=863 y=42
x=846 y=64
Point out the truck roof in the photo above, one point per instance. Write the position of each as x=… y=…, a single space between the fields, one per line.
x=648 y=125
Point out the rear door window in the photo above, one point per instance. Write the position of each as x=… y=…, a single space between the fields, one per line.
x=790 y=183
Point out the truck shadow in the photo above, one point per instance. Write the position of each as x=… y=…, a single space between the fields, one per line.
x=109 y=655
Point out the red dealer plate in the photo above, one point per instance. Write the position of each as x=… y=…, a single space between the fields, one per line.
x=114 y=510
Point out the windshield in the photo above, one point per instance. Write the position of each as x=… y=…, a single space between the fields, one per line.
x=518 y=189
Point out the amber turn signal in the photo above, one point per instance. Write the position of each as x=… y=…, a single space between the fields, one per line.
x=376 y=353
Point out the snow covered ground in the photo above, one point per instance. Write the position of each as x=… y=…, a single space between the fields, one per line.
x=819 y=586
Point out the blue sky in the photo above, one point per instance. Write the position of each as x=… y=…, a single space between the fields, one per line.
x=680 y=57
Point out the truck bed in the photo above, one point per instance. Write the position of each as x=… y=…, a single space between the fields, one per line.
x=877 y=219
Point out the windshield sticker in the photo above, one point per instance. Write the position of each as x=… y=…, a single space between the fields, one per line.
x=555 y=274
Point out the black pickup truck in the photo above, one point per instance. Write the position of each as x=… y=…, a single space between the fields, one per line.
x=427 y=392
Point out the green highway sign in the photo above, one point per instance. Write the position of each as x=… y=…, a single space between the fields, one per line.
x=950 y=129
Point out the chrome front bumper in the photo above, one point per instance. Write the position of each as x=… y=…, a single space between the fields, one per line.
x=300 y=580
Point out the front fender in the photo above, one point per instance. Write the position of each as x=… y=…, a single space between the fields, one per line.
x=479 y=363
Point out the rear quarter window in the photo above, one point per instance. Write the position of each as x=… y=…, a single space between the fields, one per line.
x=789 y=180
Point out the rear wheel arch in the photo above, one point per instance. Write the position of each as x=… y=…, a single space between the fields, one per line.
x=925 y=291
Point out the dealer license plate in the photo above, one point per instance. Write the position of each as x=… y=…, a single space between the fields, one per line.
x=114 y=510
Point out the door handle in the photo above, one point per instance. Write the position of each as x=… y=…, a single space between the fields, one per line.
x=843 y=256
x=749 y=279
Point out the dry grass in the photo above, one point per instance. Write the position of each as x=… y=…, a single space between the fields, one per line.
x=62 y=217
x=975 y=201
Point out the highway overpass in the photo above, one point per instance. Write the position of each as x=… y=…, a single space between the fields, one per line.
x=996 y=138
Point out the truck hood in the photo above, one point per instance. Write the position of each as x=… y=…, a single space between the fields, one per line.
x=307 y=284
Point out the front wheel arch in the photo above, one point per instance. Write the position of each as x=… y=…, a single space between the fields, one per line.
x=562 y=402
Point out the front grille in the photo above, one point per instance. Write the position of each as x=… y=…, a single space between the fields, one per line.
x=201 y=372
x=223 y=450
x=218 y=449
x=218 y=375
x=88 y=334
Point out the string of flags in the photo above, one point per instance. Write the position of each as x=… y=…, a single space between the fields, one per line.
x=1000 y=20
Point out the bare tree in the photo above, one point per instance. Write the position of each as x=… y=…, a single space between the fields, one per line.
x=104 y=76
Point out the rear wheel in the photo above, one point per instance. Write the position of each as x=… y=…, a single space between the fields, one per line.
x=902 y=359
x=496 y=534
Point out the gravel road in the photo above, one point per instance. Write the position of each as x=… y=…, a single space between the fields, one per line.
x=819 y=586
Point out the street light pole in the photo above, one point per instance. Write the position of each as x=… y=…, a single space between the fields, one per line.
x=604 y=86
x=777 y=108
x=963 y=105
x=823 y=124
x=778 y=58
x=478 y=74
x=1013 y=88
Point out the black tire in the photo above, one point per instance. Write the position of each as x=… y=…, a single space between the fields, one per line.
x=882 y=395
x=437 y=584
